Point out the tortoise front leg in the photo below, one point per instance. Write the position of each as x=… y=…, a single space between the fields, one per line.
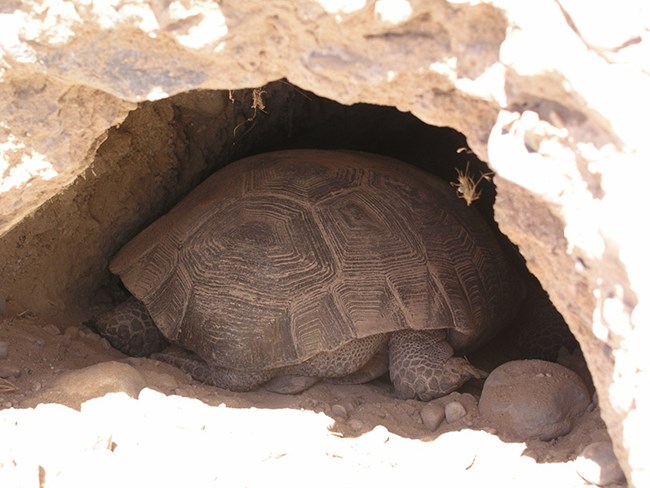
x=422 y=365
x=130 y=329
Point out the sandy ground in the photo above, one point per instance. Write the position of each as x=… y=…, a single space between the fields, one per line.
x=138 y=422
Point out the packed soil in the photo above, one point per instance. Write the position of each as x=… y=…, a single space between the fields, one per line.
x=75 y=412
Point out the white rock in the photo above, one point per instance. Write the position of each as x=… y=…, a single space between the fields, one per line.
x=52 y=435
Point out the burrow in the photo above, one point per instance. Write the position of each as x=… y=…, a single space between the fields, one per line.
x=55 y=263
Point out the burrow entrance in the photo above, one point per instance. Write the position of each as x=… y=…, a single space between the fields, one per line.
x=55 y=263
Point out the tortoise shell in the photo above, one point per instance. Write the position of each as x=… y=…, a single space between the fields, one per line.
x=283 y=255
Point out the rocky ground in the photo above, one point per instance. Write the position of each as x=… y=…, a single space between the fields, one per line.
x=77 y=413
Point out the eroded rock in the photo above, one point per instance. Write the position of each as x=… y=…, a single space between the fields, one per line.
x=75 y=387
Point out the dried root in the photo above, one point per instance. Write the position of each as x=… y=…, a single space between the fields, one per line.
x=7 y=386
x=258 y=104
x=466 y=187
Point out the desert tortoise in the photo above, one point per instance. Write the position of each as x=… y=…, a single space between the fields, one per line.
x=307 y=263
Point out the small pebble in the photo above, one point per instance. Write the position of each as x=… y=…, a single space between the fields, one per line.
x=133 y=361
x=72 y=331
x=310 y=404
x=40 y=342
x=593 y=405
x=356 y=424
x=4 y=350
x=594 y=399
x=339 y=411
x=52 y=329
x=37 y=386
x=91 y=335
x=598 y=465
x=454 y=411
x=432 y=415
x=350 y=404
x=8 y=370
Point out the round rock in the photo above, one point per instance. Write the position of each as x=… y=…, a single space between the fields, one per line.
x=533 y=399
x=52 y=329
x=339 y=411
x=598 y=465
x=9 y=370
x=454 y=411
x=356 y=424
x=432 y=415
